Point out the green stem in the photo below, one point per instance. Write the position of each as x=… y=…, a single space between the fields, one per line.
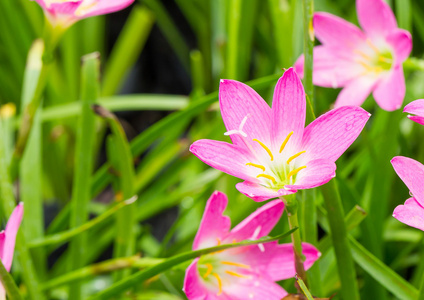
x=308 y=47
x=345 y=266
x=421 y=291
x=291 y=206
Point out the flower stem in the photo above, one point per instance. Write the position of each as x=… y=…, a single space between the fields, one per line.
x=421 y=292
x=291 y=206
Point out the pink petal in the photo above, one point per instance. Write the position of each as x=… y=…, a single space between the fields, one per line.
x=316 y=173
x=258 y=288
x=259 y=192
x=412 y=174
x=334 y=31
x=288 y=109
x=10 y=233
x=401 y=42
x=259 y=223
x=416 y=108
x=375 y=17
x=331 y=134
x=225 y=157
x=390 y=91
x=238 y=101
x=106 y=7
x=214 y=226
x=333 y=67
x=356 y=91
x=277 y=261
x=411 y=213
x=193 y=286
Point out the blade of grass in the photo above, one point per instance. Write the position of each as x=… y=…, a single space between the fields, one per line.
x=9 y=284
x=173 y=261
x=345 y=266
x=83 y=163
x=382 y=273
x=127 y=49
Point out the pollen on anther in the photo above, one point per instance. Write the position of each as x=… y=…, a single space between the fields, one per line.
x=265 y=147
x=295 y=171
x=267 y=177
x=283 y=145
x=295 y=156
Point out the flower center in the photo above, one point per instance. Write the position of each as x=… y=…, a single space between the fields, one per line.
x=278 y=172
x=374 y=60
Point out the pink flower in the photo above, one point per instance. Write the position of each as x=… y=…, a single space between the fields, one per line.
x=416 y=108
x=412 y=174
x=7 y=241
x=361 y=61
x=246 y=272
x=271 y=150
x=66 y=12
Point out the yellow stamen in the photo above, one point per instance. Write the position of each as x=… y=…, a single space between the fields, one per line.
x=265 y=147
x=294 y=156
x=285 y=141
x=234 y=241
x=236 y=274
x=295 y=171
x=384 y=59
x=256 y=166
x=219 y=283
x=230 y=263
x=373 y=47
x=208 y=271
x=219 y=241
x=267 y=177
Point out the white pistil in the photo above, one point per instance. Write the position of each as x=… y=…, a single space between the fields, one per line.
x=240 y=129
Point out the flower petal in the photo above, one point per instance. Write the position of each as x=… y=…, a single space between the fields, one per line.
x=259 y=288
x=334 y=31
x=103 y=7
x=238 y=101
x=356 y=91
x=412 y=174
x=390 y=91
x=401 y=42
x=10 y=233
x=416 y=108
x=288 y=110
x=316 y=173
x=225 y=157
x=259 y=223
x=259 y=192
x=376 y=17
x=332 y=67
x=193 y=286
x=214 y=226
x=331 y=134
x=277 y=261
x=411 y=213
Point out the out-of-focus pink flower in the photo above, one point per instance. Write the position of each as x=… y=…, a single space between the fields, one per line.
x=412 y=174
x=271 y=150
x=7 y=241
x=361 y=61
x=66 y=12
x=246 y=272
x=416 y=108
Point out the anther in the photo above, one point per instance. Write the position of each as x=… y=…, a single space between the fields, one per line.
x=235 y=274
x=267 y=177
x=283 y=145
x=219 y=283
x=230 y=263
x=265 y=147
x=256 y=166
x=295 y=171
x=295 y=156
x=208 y=271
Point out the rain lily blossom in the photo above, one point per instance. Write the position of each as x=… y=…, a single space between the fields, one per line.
x=361 y=62
x=7 y=241
x=66 y=12
x=271 y=150
x=416 y=108
x=247 y=272
x=412 y=174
